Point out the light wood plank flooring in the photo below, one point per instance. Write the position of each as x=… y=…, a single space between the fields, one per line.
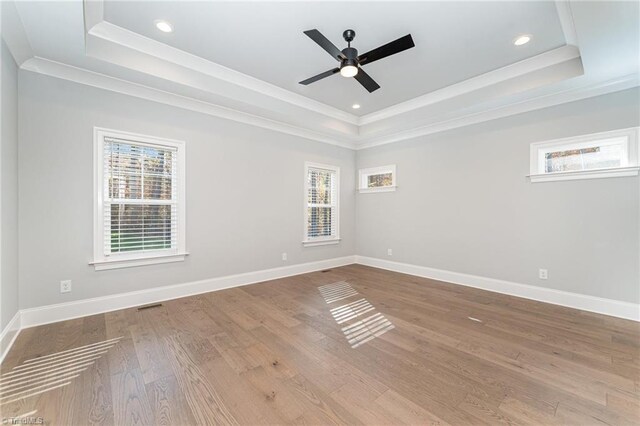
x=278 y=353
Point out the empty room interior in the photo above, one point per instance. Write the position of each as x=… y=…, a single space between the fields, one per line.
x=319 y=212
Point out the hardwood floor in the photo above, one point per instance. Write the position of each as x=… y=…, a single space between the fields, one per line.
x=401 y=350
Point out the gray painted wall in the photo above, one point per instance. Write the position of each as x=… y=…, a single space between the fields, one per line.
x=9 y=189
x=244 y=192
x=464 y=204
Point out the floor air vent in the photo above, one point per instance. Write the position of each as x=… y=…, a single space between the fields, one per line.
x=155 y=305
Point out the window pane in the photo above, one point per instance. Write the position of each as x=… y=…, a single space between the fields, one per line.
x=319 y=221
x=126 y=186
x=157 y=188
x=140 y=197
x=597 y=157
x=124 y=157
x=320 y=186
x=321 y=200
x=141 y=227
x=136 y=172
x=380 y=180
x=157 y=174
x=124 y=166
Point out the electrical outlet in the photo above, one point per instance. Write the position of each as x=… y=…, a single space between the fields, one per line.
x=389 y=252
x=542 y=274
x=284 y=256
x=65 y=286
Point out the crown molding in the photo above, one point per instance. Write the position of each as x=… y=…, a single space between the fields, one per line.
x=109 y=42
x=114 y=38
x=93 y=11
x=540 y=102
x=14 y=34
x=547 y=59
x=527 y=66
x=105 y=82
x=295 y=114
x=96 y=26
x=102 y=81
x=563 y=8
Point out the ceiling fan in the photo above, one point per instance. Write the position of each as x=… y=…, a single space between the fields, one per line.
x=350 y=63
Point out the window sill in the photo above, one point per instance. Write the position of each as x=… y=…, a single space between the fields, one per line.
x=585 y=174
x=381 y=189
x=320 y=242
x=103 y=265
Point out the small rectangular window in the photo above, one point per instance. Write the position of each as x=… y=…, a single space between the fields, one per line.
x=377 y=179
x=140 y=211
x=607 y=154
x=321 y=204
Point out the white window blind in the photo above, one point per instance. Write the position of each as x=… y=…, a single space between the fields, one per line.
x=140 y=207
x=322 y=203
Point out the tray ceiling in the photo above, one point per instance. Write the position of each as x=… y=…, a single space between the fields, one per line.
x=454 y=41
x=243 y=60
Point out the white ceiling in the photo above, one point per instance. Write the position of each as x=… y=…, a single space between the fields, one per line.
x=454 y=41
x=243 y=60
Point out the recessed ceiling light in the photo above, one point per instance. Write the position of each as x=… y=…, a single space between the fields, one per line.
x=523 y=39
x=164 y=26
x=355 y=106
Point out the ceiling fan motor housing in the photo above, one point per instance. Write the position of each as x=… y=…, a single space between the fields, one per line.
x=351 y=57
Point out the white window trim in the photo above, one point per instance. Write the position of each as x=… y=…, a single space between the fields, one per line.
x=630 y=164
x=102 y=262
x=363 y=173
x=320 y=241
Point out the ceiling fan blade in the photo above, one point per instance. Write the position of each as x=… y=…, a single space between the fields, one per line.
x=320 y=76
x=324 y=42
x=366 y=80
x=396 y=46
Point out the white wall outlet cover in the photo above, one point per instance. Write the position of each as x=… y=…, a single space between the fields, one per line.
x=389 y=252
x=542 y=273
x=65 y=286
x=284 y=256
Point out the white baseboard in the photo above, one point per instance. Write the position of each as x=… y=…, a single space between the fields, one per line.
x=65 y=311
x=9 y=334
x=599 y=305
x=80 y=308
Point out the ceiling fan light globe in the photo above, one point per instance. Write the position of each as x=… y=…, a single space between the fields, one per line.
x=349 y=71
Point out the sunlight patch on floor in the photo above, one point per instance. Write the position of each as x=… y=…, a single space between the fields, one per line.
x=45 y=373
x=351 y=310
x=359 y=332
x=336 y=291
x=367 y=329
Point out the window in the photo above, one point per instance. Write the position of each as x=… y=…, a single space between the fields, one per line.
x=377 y=179
x=607 y=154
x=140 y=204
x=321 y=214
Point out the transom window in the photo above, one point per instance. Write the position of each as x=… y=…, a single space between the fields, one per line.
x=321 y=204
x=140 y=211
x=377 y=179
x=606 y=154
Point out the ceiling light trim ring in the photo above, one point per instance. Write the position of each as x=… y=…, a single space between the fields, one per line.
x=522 y=39
x=163 y=25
